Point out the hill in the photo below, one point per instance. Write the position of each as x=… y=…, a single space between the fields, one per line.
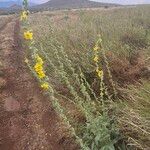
x=11 y=6
x=68 y=4
x=6 y=4
x=9 y=3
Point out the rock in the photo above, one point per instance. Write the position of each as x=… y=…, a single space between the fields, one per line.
x=11 y=104
x=2 y=83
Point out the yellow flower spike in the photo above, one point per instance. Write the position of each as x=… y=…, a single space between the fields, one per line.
x=45 y=86
x=100 y=73
x=38 y=67
x=23 y=16
x=96 y=59
x=41 y=74
x=28 y=35
x=96 y=48
x=39 y=59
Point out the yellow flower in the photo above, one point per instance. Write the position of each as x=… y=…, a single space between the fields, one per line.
x=39 y=70
x=41 y=74
x=100 y=73
x=23 y=16
x=45 y=86
x=96 y=48
x=28 y=35
x=96 y=59
x=39 y=59
x=38 y=67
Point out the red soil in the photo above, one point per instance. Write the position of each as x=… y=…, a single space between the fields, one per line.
x=27 y=120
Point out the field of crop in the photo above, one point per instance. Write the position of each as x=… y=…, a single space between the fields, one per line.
x=92 y=87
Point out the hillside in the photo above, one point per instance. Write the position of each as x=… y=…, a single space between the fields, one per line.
x=10 y=3
x=6 y=4
x=66 y=4
x=11 y=6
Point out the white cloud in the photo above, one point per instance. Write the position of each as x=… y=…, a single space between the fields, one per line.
x=124 y=1
x=38 y=1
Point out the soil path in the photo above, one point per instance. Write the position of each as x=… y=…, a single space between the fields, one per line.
x=27 y=120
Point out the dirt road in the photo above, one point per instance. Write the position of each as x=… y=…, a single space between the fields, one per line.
x=27 y=120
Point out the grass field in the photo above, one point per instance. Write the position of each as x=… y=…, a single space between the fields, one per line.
x=65 y=40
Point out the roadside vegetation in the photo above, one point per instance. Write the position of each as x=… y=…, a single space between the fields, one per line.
x=94 y=65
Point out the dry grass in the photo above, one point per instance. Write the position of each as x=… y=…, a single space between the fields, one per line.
x=126 y=39
x=4 y=20
x=134 y=119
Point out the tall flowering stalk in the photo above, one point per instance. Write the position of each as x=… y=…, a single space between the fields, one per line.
x=39 y=67
x=59 y=109
x=80 y=79
x=99 y=70
x=94 y=120
x=110 y=75
x=24 y=15
x=86 y=107
x=40 y=74
x=25 y=12
x=25 y=4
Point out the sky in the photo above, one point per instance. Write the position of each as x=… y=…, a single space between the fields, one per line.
x=109 y=1
x=126 y=2
x=38 y=1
